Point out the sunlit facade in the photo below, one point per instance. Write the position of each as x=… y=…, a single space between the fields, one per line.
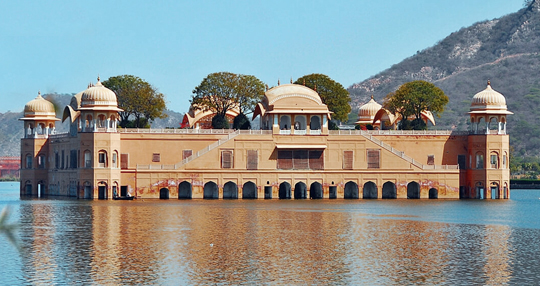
x=292 y=156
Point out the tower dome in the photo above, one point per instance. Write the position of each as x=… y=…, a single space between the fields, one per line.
x=39 y=107
x=488 y=99
x=367 y=112
x=369 y=109
x=98 y=95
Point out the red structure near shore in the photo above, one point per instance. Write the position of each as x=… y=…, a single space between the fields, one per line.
x=9 y=166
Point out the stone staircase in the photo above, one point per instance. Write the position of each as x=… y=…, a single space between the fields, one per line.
x=207 y=149
x=405 y=157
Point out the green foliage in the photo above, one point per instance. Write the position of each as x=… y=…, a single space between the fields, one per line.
x=332 y=93
x=139 y=100
x=222 y=91
x=241 y=122
x=332 y=125
x=414 y=97
x=220 y=122
x=415 y=124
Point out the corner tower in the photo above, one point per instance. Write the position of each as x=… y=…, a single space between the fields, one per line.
x=99 y=173
x=39 y=122
x=488 y=174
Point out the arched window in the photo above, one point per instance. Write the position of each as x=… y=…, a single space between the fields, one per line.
x=112 y=122
x=101 y=123
x=115 y=159
x=494 y=160
x=481 y=126
x=87 y=159
x=28 y=161
x=30 y=129
x=41 y=161
x=479 y=160
x=88 y=122
x=493 y=123
x=285 y=122
x=102 y=159
x=41 y=128
x=504 y=163
x=300 y=122
x=315 y=122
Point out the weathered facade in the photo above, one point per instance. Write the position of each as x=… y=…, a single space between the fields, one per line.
x=294 y=155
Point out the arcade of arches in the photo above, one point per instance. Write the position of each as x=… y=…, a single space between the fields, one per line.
x=301 y=190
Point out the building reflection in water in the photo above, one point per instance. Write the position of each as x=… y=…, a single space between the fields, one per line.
x=279 y=242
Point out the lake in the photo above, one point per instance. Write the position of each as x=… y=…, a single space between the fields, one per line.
x=272 y=242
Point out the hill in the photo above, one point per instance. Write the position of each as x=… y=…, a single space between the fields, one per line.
x=504 y=50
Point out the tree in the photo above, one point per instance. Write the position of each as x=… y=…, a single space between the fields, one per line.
x=219 y=92
x=139 y=100
x=414 y=97
x=332 y=93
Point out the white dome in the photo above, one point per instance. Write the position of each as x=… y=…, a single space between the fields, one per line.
x=369 y=109
x=488 y=99
x=39 y=106
x=98 y=95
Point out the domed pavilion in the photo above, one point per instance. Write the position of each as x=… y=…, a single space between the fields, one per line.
x=39 y=118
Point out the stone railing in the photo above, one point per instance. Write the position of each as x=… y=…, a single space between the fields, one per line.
x=397 y=132
x=176 y=131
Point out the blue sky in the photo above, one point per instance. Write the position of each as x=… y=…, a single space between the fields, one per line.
x=61 y=46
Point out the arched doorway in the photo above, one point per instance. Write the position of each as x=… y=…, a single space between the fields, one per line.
x=413 y=190
x=351 y=190
x=88 y=194
x=433 y=193
x=164 y=194
x=494 y=191
x=389 y=191
x=184 y=190
x=300 y=191
x=28 y=188
x=249 y=190
x=370 y=190
x=102 y=191
x=230 y=190
x=211 y=191
x=285 y=190
x=315 y=191
x=479 y=191
x=41 y=189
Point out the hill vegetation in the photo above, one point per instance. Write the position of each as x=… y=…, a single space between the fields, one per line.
x=505 y=51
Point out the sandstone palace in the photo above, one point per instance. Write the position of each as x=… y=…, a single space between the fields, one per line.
x=293 y=156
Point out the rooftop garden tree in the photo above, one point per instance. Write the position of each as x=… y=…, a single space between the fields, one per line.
x=411 y=99
x=222 y=91
x=140 y=100
x=332 y=93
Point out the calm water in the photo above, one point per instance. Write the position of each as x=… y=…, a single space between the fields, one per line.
x=315 y=242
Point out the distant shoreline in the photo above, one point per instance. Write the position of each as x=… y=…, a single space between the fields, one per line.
x=524 y=184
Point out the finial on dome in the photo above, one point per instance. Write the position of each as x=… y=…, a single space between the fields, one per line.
x=315 y=87
x=278 y=82
x=266 y=86
x=489 y=82
x=98 y=78
x=304 y=82
x=291 y=79
x=39 y=94
x=372 y=96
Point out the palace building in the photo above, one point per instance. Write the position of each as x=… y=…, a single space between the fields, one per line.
x=292 y=156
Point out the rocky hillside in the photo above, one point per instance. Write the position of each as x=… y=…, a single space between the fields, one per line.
x=505 y=51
